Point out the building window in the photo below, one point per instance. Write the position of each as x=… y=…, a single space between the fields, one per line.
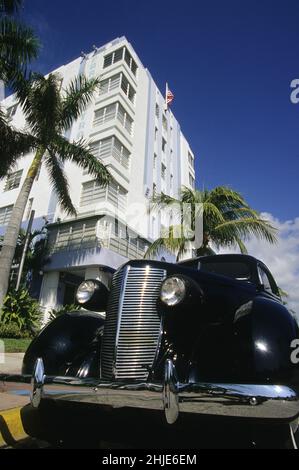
x=73 y=237
x=13 y=180
x=111 y=147
x=113 y=83
x=163 y=171
x=114 y=57
x=191 y=160
x=104 y=115
x=113 y=111
x=155 y=161
x=5 y=214
x=125 y=119
x=130 y=62
x=156 y=133
x=110 y=84
x=120 y=54
x=164 y=122
x=154 y=190
x=157 y=111
x=11 y=111
x=191 y=181
x=127 y=88
x=163 y=144
x=93 y=193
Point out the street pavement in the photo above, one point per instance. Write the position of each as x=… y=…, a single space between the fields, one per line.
x=12 y=363
x=12 y=432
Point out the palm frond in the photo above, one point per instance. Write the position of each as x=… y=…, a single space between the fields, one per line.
x=243 y=228
x=240 y=212
x=18 y=46
x=242 y=246
x=41 y=105
x=78 y=95
x=172 y=239
x=225 y=198
x=78 y=153
x=188 y=196
x=59 y=183
x=164 y=202
x=13 y=144
x=9 y=7
x=212 y=213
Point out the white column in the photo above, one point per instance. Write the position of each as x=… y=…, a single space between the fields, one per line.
x=98 y=273
x=48 y=295
x=92 y=273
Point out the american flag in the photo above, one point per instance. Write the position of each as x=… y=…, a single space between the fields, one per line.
x=169 y=96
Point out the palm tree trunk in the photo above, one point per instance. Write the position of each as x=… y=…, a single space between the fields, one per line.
x=12 y=232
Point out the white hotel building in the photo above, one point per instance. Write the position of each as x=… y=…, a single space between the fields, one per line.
x=128 y=128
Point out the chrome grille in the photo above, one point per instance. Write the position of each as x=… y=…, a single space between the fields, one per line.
x=110 y=329
x=132 y=327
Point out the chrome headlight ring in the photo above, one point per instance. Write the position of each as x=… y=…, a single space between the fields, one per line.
x=173 y=291
x=86 y=291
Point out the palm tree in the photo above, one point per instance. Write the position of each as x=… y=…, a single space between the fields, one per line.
x=49 y=114
x=227 y=219
x=18 y=46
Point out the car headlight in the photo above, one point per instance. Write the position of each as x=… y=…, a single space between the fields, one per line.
x=173 y=291
x=85 y=291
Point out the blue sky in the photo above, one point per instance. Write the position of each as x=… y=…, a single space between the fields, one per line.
x=229 y=64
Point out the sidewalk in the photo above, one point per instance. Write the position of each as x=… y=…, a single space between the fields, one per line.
x=12 y=365
x=11 y=427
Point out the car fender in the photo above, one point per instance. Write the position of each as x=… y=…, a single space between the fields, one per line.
x=69 y=345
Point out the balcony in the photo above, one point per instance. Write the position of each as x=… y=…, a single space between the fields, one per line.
x=111 y=147
x=89 y=235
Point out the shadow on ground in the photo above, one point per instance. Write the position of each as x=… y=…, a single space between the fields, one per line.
x=85 y=427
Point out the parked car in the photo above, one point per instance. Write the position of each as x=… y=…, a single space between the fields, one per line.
x=205 y=337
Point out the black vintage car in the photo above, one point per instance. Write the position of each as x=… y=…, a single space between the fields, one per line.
x=208 y=337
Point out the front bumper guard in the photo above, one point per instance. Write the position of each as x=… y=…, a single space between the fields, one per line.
x=230 y=400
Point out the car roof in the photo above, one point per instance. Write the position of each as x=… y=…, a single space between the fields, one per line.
x=224 y=257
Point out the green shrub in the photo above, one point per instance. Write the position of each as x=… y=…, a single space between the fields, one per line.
x=11 y=330
x=21 y=310
x=65 y=309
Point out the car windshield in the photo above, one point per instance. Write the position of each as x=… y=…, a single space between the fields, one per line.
x=233 y=269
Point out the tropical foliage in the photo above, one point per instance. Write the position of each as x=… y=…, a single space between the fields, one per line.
x=55 y=313
x=227 y=221
x=12 y=330
x=21 y=310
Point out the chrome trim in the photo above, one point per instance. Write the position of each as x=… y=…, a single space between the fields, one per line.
x=120 y=309
x=37 y=383
x=110 y=327
x=132 y=334
x=170 y=393
x=230 y=400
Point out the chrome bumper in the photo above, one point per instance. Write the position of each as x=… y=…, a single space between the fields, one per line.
x=231 y=400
